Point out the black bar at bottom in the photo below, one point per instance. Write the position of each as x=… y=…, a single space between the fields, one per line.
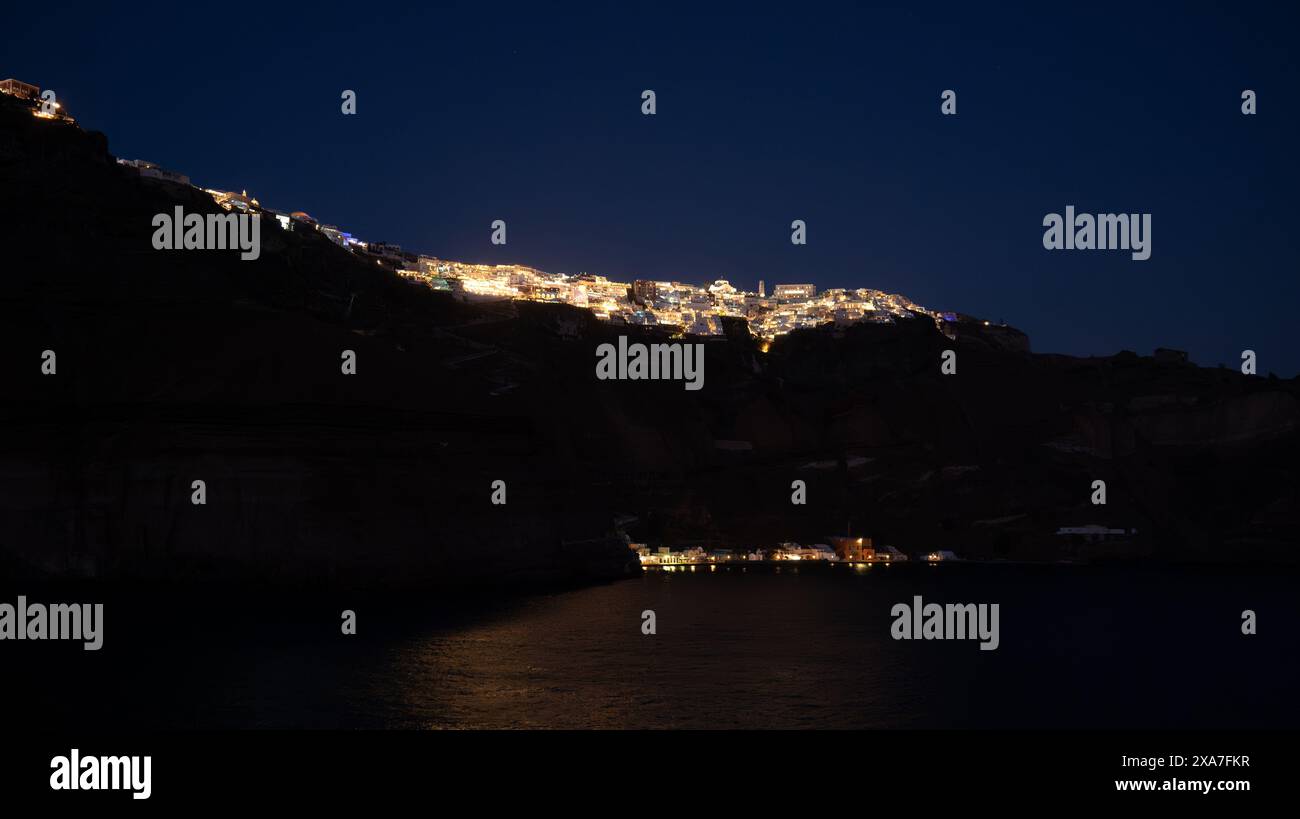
x=619 y=769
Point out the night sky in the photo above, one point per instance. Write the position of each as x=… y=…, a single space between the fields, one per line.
x=828 y=114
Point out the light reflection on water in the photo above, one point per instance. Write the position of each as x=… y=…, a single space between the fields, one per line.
x=1079 y=647
x=812 y=649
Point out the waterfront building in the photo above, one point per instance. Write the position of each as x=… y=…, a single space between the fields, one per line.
x=1093 y=533
x=853 y=548
x=940 y=556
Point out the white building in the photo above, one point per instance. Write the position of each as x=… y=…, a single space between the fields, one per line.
x=150 y=170
x=940 y=556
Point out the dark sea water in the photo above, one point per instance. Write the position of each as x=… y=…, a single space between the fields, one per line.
x=808 y=648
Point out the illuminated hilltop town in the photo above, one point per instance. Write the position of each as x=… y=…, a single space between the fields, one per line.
x=682 y=307
x=675 y=306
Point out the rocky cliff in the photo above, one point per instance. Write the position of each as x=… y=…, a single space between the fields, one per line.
x=193 y=365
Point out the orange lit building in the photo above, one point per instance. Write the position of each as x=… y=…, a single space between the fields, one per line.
x=853 y=548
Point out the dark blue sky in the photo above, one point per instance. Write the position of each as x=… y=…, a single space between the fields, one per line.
x=828 y=113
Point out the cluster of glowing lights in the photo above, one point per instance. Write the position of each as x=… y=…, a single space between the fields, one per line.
x=670 y=563
x=489 y=287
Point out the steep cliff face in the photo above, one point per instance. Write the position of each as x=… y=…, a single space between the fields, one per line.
x=183 y=366
x=990 y=462
x=174 y=367
x=307 y=474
